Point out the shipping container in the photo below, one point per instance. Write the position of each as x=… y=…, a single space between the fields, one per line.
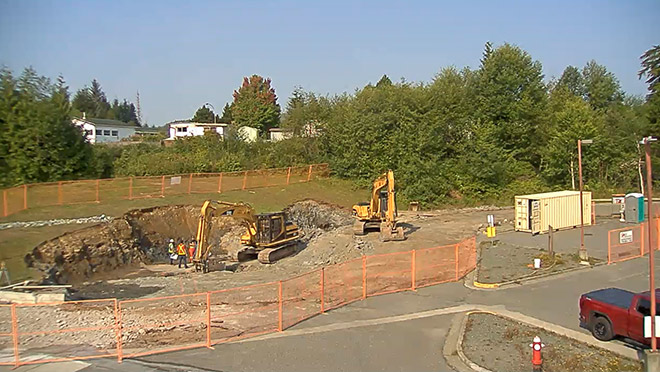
x=560 y=209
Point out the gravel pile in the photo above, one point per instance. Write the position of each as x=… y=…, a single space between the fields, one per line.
x=54 y=222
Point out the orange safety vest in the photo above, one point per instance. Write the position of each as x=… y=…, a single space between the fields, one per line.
x=191 y=249
x=181 y=249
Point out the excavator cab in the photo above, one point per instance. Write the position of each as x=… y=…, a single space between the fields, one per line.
x=270 y=227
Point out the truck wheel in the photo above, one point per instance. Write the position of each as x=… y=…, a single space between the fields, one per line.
x=602 y=329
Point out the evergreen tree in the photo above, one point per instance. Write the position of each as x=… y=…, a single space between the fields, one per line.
x=226 y=114
x=205 y=115
x=255 y=104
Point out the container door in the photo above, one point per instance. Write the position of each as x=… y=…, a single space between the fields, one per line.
x=536 y=216
x=522 y=216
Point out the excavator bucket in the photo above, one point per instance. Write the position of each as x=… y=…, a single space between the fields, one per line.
x=358 y=227
x=391 y=233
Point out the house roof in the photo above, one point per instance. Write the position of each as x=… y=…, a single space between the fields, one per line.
x=107 y=122
x=191 y=123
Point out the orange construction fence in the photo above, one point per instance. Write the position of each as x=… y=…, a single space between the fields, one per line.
x=631 y=242
x=51 y=332
x=38 y=195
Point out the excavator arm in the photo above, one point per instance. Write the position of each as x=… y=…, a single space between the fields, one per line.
x=381 y=210
x=241 y=211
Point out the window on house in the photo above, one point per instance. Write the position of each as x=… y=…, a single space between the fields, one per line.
x=106 y=132
x=115 y=133
x=99 y=132
x=182 y=129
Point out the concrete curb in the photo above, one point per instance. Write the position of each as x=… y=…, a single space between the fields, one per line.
x=472 y=283
x=456 y=358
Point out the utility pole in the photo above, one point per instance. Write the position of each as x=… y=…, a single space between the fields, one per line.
x=139 y=111
x=649 y=195
x=584 y=257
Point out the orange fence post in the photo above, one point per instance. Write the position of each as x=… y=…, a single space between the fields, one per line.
x=364 y=276
x=309 y=173
x=130 y=188
x=220 y=183
x=412 y=270
x=279 y=299
x=244 y=180
x=288 y=175
x=190 y=183
x=98 y=186
x=162 y=187
x=456 y=258
x=118 y=332
x=59 y=193
x=4 y=203
x=609 y=248
x=208 y=319
x=24 y=196
x=322 y=290
x=14 y=334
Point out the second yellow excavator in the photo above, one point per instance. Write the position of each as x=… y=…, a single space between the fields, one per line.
x=268 y=237
x=381 y=211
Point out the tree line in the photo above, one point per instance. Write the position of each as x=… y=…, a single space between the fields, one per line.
x=466 y=136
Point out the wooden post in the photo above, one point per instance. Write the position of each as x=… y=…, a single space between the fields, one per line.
x=208 y=319
x=162 y=187
x=551 y=242
x=322 y=290
x=120 y=357
x=244 y=180
x=288 y=175
x=309 y=173
x=190 y=183
x=14 y=334
x=5 y=210
x=24 y=196
x=130 y=189
x=98 y=187
x=412 y=270
x=364 y=277
x=279 y=296
x=456 y=258
x=59 y=193
x=220 y=183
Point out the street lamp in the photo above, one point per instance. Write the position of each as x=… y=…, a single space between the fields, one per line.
x=584 y=257
x=208 y=104
x=646 y=141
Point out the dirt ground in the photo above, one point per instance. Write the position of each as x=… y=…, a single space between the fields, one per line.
x=125 y=259
x=501 y=261
x=501 y=344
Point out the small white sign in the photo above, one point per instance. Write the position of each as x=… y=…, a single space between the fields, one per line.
x=491 y=220
x=647 y=326
x=175 y=180
x=625 y=237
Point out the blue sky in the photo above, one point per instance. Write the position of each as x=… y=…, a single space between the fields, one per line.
x=180 y=55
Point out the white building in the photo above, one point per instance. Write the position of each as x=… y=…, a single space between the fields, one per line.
x=180 y=129
x=278 y=134
x=248 y=134
x=104 y=130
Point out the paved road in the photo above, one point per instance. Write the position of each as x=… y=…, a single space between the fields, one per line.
x=413 y=344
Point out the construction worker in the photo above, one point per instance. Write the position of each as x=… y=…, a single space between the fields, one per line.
x=171 y=253
x=181 y=251
x=192 y=247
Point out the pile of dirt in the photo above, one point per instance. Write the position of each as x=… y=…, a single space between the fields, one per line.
x=314 y=217
x=140 y=236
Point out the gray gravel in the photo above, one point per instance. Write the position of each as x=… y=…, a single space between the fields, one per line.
x=501 y=344
x=54 y=222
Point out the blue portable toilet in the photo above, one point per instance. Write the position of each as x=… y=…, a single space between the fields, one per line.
x=634 y=210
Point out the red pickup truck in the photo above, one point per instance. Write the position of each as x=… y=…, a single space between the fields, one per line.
x=612 y=312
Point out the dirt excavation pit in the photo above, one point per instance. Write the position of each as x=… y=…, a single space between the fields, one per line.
x=129 y=244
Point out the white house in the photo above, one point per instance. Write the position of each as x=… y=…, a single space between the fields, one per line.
x=104 y=130
x=278 y=134
x=180 y=129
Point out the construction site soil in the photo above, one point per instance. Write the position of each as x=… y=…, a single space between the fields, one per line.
x=127 y=259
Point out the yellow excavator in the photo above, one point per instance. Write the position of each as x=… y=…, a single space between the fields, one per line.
x=268 y=236
x=380 y=212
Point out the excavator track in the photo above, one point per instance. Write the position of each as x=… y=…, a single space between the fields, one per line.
x=270 y=255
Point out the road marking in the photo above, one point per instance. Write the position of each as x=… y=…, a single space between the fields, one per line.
x=361 y=323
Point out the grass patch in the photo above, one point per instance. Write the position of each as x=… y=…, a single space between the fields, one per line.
x=15 y=243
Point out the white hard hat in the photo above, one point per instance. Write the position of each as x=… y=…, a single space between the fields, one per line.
x=171 y=240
